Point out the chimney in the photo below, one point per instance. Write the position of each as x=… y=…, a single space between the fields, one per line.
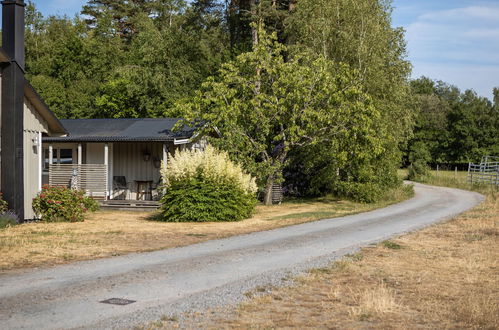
x=13 y=30
x=12 y=106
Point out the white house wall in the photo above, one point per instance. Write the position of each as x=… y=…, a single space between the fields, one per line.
x=34 y=126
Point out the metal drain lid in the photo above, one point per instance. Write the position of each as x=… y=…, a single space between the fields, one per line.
x=117 y=301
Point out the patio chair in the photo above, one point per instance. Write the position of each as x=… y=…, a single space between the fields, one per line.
x=120 y=186
x=156 y=190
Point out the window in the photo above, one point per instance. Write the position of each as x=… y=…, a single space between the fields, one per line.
x=60 y=156
x=65 y=156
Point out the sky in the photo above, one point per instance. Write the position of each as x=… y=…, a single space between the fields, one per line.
x=456 y=41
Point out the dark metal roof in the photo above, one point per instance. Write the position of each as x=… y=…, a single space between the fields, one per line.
x=115 y=130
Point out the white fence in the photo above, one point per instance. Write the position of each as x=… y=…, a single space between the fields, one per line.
x=92 y=178
x=487 y=172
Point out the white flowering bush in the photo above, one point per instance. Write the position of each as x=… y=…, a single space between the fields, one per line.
x=206 y=186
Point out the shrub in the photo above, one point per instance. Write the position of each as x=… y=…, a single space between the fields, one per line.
x=418 y=170
x=8 y=218
x=54 y=204
x=206 y=186
x=90 y=204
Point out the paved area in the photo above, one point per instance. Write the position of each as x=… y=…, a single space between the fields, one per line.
x=208 y=274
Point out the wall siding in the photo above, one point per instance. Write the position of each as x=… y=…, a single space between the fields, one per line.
x=128 y=161
x=33 y=126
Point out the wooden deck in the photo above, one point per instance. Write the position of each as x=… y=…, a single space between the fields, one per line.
x=129 y=205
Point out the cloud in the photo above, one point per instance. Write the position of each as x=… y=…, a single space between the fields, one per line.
x=484 y=33
x=459 y=45
x=472 y=12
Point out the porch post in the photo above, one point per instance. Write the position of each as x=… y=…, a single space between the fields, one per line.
x=79 y=154
x=40 y=160
x=51 y=154
x=165 y=155
x=106 y=162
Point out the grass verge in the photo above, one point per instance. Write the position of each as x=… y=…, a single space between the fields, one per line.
x=106 y=233
x=444 y=277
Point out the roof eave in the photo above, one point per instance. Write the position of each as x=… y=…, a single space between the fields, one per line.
x=54 y=124
x=77 y=139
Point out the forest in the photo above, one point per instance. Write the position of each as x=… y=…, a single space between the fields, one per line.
x=314 y=94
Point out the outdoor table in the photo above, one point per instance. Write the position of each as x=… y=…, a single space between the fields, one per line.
x=143 y=191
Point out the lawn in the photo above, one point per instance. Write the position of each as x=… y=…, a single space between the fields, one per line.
x=111 y=233
x=445 y=276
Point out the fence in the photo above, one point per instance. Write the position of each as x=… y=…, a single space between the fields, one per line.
x=92 y=178
x=487 y=172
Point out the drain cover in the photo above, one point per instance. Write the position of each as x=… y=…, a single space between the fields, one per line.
x=117 y=301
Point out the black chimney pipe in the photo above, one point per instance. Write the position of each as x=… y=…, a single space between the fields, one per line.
x=12 y=126
x=13 y=30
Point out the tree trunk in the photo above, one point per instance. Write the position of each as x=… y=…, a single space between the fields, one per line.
x=256 y=14
x=267 y=198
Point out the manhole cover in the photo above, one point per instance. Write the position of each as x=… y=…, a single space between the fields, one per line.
x=117 y=301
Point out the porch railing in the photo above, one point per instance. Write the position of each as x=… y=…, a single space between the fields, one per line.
x=92 y=178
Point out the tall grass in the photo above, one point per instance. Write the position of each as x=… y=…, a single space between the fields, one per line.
x=454 y=179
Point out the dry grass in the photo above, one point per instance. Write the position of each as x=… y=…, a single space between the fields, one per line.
x=444 y=277
x=107 y=233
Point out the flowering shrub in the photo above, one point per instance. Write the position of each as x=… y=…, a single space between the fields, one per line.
x=206 y=186
x=55 y=204
x=214 y=166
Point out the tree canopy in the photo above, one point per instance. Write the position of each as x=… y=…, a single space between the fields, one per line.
x=452 y=127
x=313 y=94
x=267 y=107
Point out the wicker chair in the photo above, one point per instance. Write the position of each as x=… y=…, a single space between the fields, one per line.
x=120 y=186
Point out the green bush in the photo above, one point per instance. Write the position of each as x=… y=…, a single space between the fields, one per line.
x=58 y=204
x=418 y=170
x=90 y=204
x=206 y=186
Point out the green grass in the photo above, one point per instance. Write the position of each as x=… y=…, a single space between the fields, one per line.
x=316 y=214
x=391 y=245
x=334 y=207
x=452 y=179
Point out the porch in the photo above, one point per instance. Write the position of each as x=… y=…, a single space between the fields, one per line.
x=119 y=171
x=115 y=159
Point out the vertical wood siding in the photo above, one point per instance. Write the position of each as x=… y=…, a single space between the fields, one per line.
x=128 y=161
x=33 y=125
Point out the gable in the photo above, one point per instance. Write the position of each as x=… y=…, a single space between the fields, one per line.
x=33 y=121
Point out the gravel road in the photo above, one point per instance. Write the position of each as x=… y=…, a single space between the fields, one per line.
x=205 y=275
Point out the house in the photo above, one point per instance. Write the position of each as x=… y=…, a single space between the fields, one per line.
x=24 y=117
x=114 y=158
x=108 y=158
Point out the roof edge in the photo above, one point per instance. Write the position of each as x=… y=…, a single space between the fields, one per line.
x=104 y=139
x=43 y=109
